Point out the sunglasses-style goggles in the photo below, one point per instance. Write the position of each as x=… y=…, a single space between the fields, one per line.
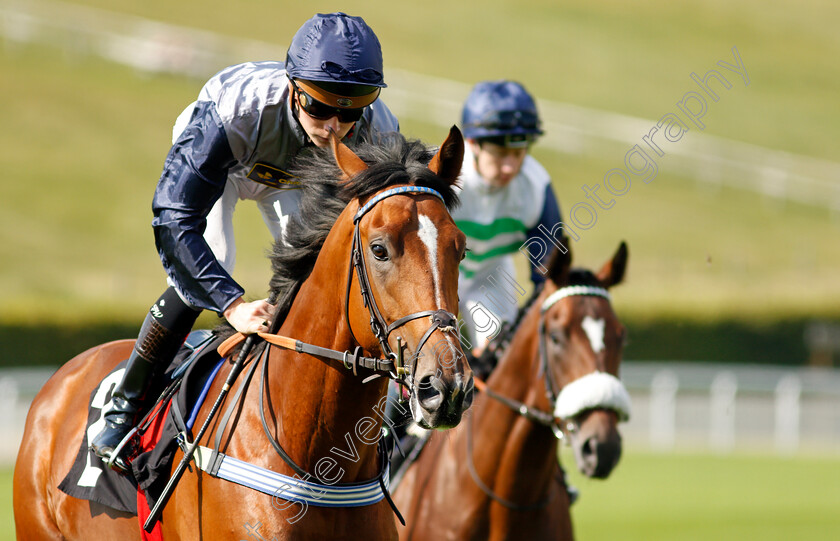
x=321 y=111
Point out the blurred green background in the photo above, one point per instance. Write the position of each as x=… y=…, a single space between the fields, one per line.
x=716 y=272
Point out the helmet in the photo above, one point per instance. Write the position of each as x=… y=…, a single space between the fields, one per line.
x=336 y=48
x=503 y=110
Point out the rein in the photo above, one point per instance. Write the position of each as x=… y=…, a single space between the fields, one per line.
x=350 y=360
x=392 y=364
x=532 y=414
x=487 y=490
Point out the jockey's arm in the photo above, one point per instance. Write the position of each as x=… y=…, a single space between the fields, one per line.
x=193 y=178
x=549 y=218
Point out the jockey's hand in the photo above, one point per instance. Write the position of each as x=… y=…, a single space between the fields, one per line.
x=249 y=317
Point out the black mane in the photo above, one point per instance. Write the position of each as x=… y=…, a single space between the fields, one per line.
x=583 y=277
x=392 y=160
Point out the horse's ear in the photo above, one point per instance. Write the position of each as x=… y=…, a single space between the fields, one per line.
x=350 y=164
x=447 y=162
x=612 y=273
x=559 y=263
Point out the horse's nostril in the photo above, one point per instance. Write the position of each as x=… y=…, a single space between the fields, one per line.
x=588 y=447
x=597 y=457
x=430 y=393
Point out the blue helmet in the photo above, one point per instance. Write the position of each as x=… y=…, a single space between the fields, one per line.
x=336 y=48
x=501 y=110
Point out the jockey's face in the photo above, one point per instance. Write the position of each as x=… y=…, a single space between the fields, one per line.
x=497 y=164
x=318 y=130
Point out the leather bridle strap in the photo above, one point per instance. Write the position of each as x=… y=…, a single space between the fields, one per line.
x=381 y=330
x=532 y=414
x=350 y=360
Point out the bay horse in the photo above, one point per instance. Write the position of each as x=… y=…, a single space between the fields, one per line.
x=497 y=476
x=379 y=213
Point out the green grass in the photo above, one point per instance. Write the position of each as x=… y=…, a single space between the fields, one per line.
x=634 y=58
x=7 y=519
x=683 y=497
x=652 y=497
x=83 y=142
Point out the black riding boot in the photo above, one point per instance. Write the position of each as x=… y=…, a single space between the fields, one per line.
x=164 y=330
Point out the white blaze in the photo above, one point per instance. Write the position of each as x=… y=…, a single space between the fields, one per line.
x=428 y=234
x=595 y=331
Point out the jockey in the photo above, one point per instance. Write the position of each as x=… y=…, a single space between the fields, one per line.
x=236 y=142
x=506 y=196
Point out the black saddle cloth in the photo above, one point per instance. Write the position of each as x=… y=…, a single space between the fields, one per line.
x=90 y=479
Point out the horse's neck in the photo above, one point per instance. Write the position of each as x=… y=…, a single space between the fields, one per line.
x=516 y=375
x=521 y=444
x=323 y=411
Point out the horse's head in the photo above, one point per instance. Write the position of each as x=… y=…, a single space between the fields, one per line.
x=406 y=254
x=581 y=348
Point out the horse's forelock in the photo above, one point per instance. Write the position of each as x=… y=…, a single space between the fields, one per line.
x=392 y=161
x=583 y=277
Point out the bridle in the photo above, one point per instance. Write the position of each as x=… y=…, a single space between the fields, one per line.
x=535 y=415
x=440 y=319
x=392 y=364
x=551 y=389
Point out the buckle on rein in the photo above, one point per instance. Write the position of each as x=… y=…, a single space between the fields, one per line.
x=399 y=364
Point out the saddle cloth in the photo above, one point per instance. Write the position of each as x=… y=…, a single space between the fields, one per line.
x=90 y=479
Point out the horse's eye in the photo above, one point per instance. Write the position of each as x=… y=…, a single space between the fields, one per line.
x=557 y=337
x=379 y=252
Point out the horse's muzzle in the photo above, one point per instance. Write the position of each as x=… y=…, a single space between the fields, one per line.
x=439 y=403
x=597 y=444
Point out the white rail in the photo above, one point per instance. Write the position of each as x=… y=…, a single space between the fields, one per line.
x=723 y=408
x=719 y=408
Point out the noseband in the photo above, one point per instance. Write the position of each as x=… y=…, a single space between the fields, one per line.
x=440 y=319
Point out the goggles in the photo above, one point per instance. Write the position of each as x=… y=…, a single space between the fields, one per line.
x=321 y=111
x=518 y=140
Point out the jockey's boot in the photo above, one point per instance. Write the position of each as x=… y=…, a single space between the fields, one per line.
x=162 y=334
x=121 y=415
